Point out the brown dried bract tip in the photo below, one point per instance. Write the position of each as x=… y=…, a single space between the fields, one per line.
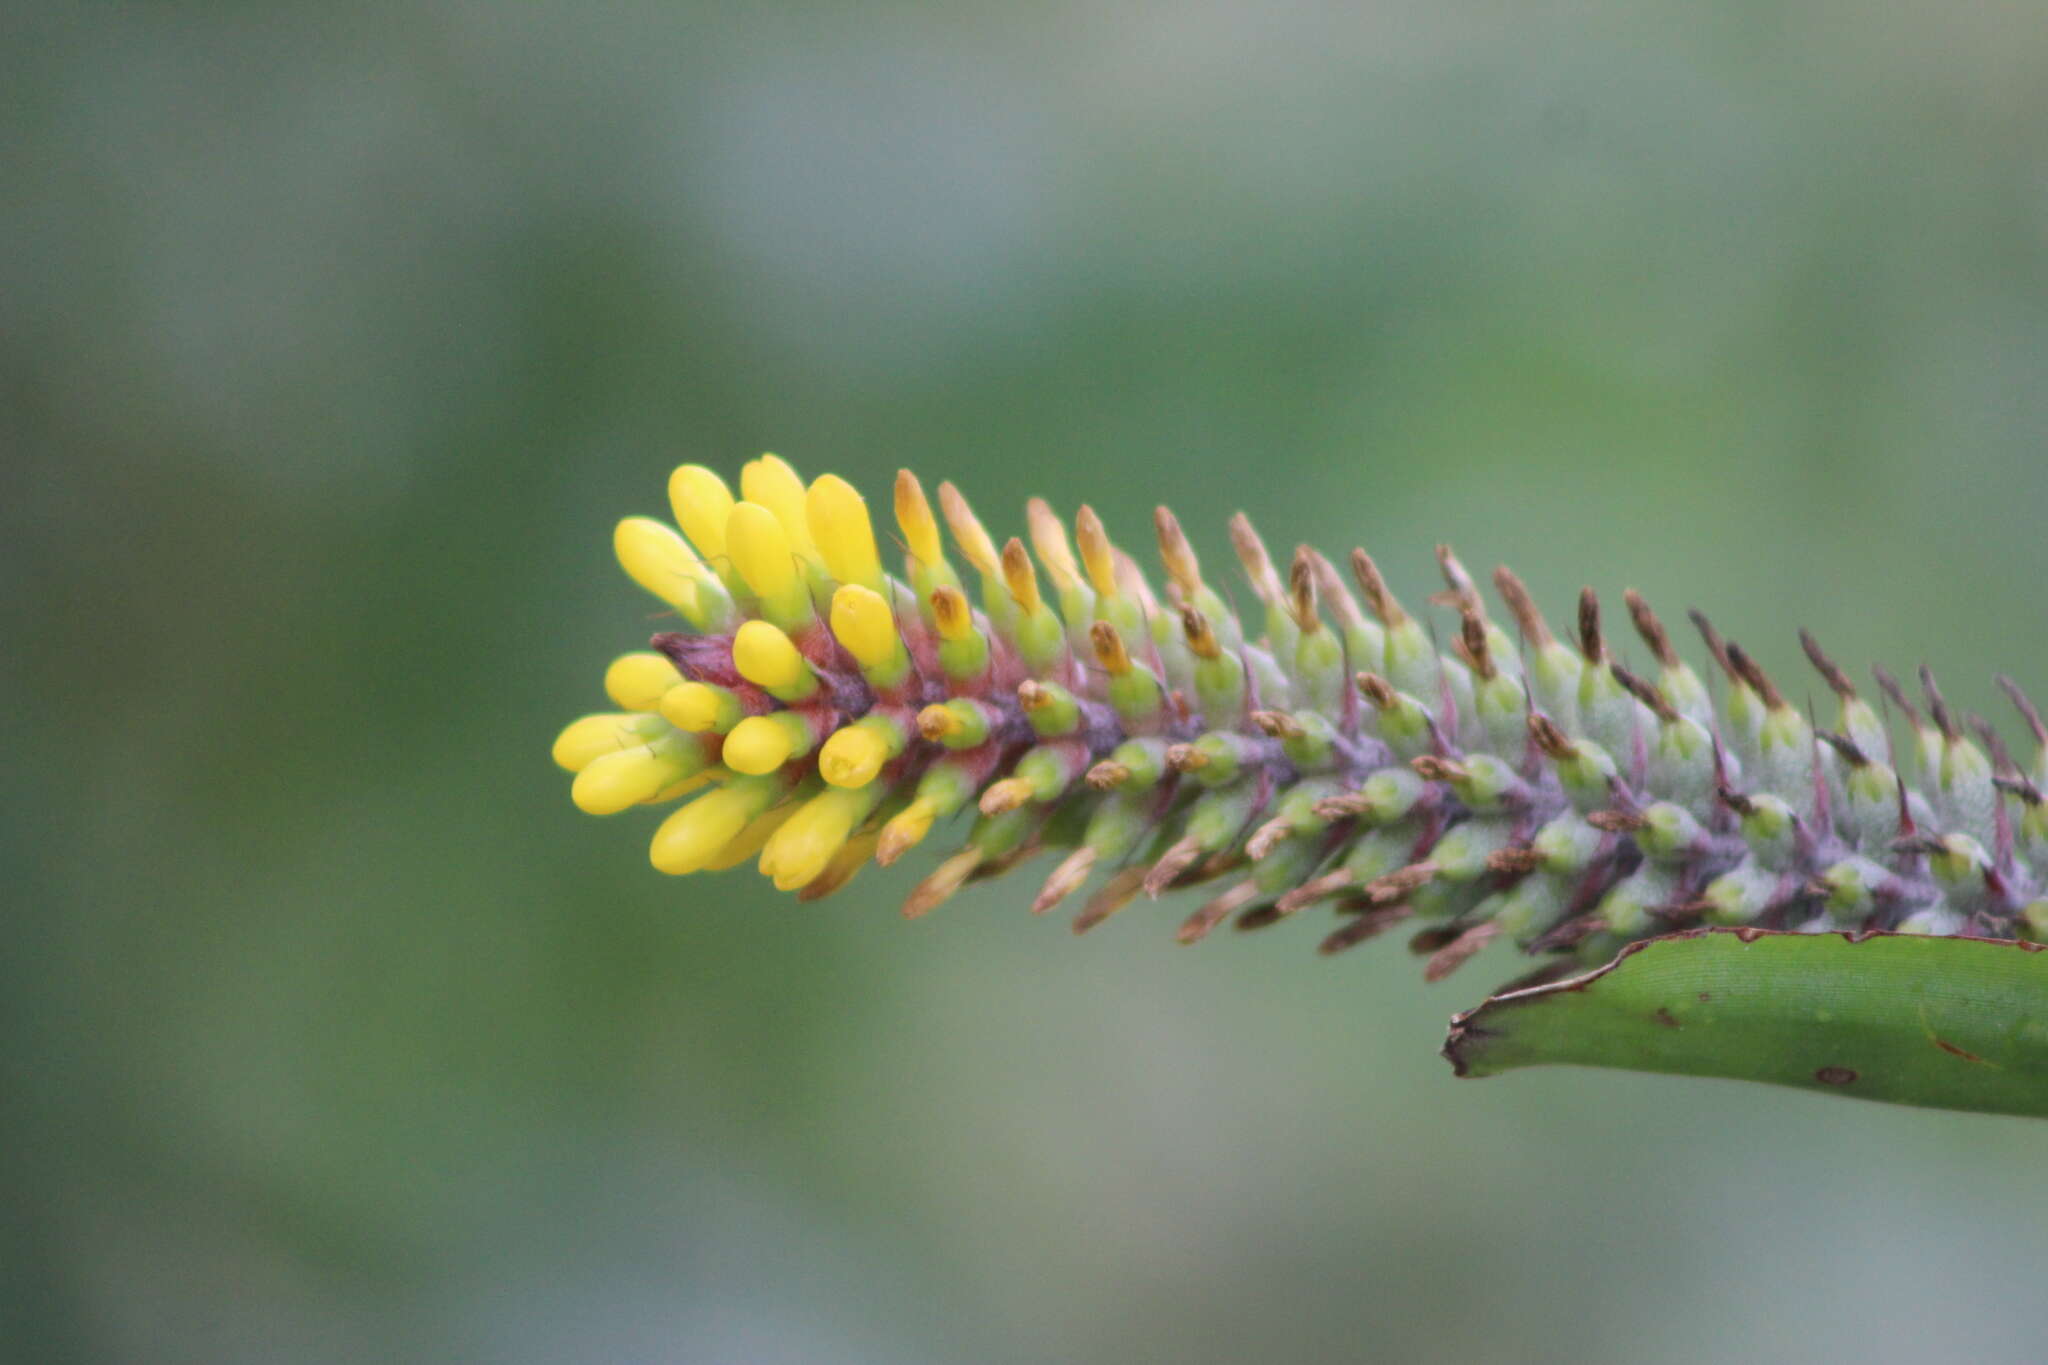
x=1837 y=681
x=1522 y=607
x=1464 y=594
x=1175 y=552
x=1343 y=806
x=1313 y=890
x=1107 y=775
x=1472 y=646
x=1733 y=799
x=2025 y=706
x=1459 y=951
x=1431 y=768
x=1651 y=629
x=1616 y=821
x=1330 y=587
x=1936 y=706
x=1268 y=837
x=1851 y=752
x=1171 y=864
x=1065 y=879
x=1199 y=925
x=1251 y=553
x=1552 y=741
x=948 y=877
x=1513 y=861
x=1186 y=758
x=1278 y=724
x=1716 y=646
x=1366 y=926
x=1301 y=591
x=1113 y=896
x=1376 y=690
x=1109 y=648
x=1200 y=635
x=1896 y=695
x=1644 y=691
x=1395 y=885
x=1751 y=672
x=1034 y=695
x=1590 y=643
x=935 y=722
x=1378 y=600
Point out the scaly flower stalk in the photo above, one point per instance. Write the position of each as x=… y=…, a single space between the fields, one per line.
x=816 y=712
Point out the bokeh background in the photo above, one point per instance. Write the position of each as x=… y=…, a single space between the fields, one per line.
x=333 y=339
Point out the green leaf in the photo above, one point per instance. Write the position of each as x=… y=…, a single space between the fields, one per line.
x=1949 y=1023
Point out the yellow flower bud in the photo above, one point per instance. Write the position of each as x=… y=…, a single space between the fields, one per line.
x=637 y=681
x=838 y=518
x=702 y=504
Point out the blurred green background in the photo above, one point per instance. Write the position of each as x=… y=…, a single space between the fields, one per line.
x=334 y=339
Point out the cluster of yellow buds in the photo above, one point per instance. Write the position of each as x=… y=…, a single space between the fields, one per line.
x=814 y=711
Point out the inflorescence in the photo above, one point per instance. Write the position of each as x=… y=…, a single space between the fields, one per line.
x=817 y=712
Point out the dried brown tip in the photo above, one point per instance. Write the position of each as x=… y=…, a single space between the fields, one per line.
x=1131 y=581
x=1175 y=553
x=1268 y=837
x=1330 y=587
x=1459 y=951
x=1012 y=793
x=1837 y=681
x=1034 y=695
x=1716 y=646
x=1258 y=917
x=1590 y=643
x=1200 y=635
x=1751 y=672
x=1065 y=879
x=1616 y=821
x=1644 y=691
x=1552 y=741
x=1378 y=600
x=1376 y=690
x=1251 y=553
x=1186 y=758
x=1397 y=885
x=1463 y=591
x=1109 y=649
x=1313 y=890
x=1851 y=752
x=948 y=877
x=1936 y=706
x=1112 y=896
x=1362 y=928
x=1514 y=861
x=1301 y=591
x=2019 y=786
x=1522 y=607
x=2025 y=706
x=1171 y=864
x=1343 y=806
x=1472 y=646
x=1199 y=925
x=1733 y=799
x=1994 y=744
x=1431 y=768
x=1278 y=724
x=1108 y=775
x=1651 y=629
x=1896 y=695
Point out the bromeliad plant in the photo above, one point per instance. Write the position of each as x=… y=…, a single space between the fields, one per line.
x=1714 y=885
